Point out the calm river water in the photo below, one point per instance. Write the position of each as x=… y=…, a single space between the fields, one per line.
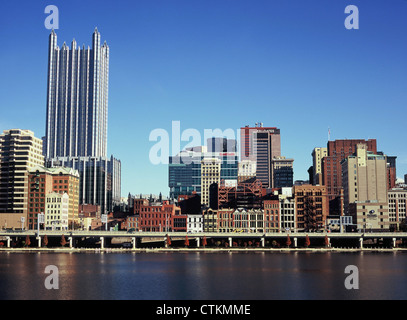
x=203 y=276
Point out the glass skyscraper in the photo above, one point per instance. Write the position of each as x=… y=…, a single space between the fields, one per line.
x=76 y=124
x=77 y=99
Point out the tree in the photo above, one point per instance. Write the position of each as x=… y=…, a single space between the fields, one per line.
x=186 y=242
x=307 y=241
x=63 y=241
x=27 y=241
x=204 y=243
x=168 y=240
x=288 y=242
x=45 y=241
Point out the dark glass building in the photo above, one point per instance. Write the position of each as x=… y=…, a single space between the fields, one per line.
x=184 y=169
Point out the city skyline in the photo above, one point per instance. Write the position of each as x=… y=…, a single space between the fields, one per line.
x=167 y=63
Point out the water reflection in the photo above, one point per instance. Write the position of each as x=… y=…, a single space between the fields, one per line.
x=202 y=276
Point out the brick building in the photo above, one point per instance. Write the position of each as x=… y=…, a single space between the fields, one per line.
x=312 y=207
x=162 y=217
x=42 y=181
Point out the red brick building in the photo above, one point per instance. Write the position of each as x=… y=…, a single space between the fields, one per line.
x=271 y=207
x=312 y=207
x=161 y=218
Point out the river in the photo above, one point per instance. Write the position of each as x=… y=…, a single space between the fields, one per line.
x=201 y=276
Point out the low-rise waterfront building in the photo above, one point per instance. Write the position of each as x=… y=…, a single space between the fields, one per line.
x=56 y=211
x=397 y=207
x=194 y=223
x=312 y=207
x=161 y=217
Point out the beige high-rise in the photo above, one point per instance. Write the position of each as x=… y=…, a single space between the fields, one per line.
x=317 y=155
x=210 y=173
x=19 y=152
x=364 y=180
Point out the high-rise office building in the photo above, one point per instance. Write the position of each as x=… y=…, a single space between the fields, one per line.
x=184 y=169
x=261 y=144
x=184 y=172
x=76 y=125
x=210 y=173
x=249 y=138
x=20 y=150
x=77 y=99
x=339 y=150
x=282 y=172
x=364 y=179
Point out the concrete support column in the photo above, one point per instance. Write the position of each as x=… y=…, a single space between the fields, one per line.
x=8 y=241
x=70 y=241
x=394 y=242
x=230 y=242
x=198 y=242
x=263 y=241
x=361 y=243
x=134 y=242
x=39 y=241
x=102 y=242
x=295 y=242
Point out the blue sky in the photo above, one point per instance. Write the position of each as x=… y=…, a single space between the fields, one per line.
x=221 y=64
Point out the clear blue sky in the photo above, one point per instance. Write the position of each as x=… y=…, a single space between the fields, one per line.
x=221 y=64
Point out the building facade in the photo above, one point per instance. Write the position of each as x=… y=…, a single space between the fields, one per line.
x=77 y=99
x=364 y=179
x=261 y=144
x=282 y=172
x=288 y=211
x=56 y=211
x=249 y=220
x=100 y=179
x=246 y=170
x=397 y=207
x=339 y=150
x=195 y=223
x=317 y=155
x=272 y=215
x=163 y=217
x=210 y=174
x=43 y=181
x=20 y=150
x=312 y=207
